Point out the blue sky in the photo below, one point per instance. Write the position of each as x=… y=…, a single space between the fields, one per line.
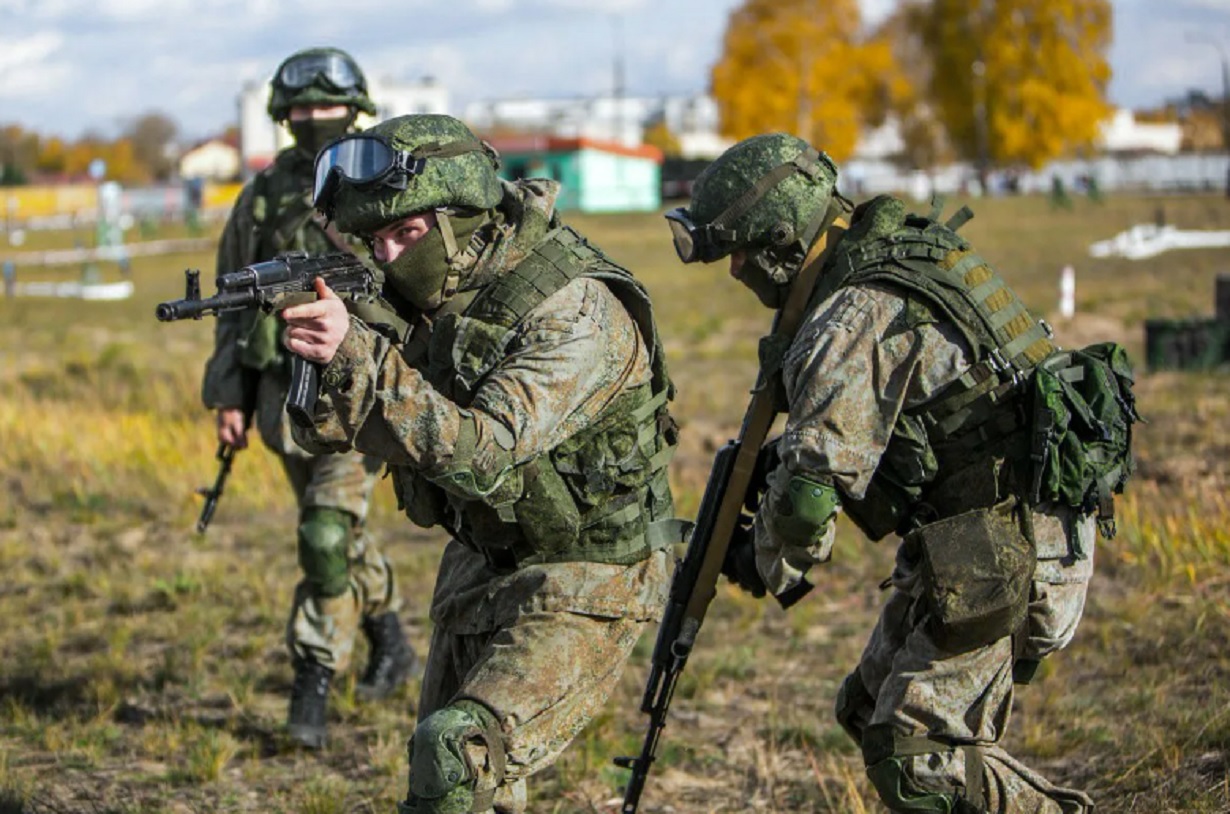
x=71 y=65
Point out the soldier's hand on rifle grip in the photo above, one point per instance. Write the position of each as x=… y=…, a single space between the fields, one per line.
x=739 y=566
x=314 y=330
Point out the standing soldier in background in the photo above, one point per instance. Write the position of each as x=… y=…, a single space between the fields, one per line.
x=920 y=398
x=346 y=582
x=528 y=416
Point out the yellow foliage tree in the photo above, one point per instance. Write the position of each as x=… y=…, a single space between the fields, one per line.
x=1018 y=81
x=803 y=67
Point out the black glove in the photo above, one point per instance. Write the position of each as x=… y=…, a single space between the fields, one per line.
x=740 y=563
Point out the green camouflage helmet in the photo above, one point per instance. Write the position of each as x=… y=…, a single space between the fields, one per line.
x=443 y=164
x=768 y=191
x=318 y=76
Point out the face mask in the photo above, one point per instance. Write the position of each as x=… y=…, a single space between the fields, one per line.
x=763 y=277
x=420 y=272
x=312 y=134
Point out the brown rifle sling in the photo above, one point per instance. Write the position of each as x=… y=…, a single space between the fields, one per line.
x=756 y=423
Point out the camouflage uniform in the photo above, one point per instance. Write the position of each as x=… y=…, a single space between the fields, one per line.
x=529 y=638
x=849 y=374
x=274 y=215
x=906 y=408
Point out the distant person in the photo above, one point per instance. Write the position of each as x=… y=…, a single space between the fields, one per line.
x=906 y=409
x=347 y=584
x=527 y=415
x=1059 y=194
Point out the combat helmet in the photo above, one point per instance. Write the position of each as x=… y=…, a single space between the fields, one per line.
x=408 y=166
x=318 y=76
x=766 y=195
x=404 y=166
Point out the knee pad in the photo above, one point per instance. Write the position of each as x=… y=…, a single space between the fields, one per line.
x=443 y=776
x=854 y=706
x=887 y=754
x=324 y=538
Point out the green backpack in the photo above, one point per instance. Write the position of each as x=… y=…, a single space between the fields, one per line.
x=1083 y=411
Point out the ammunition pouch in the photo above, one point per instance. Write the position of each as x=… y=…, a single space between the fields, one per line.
x=976 y=571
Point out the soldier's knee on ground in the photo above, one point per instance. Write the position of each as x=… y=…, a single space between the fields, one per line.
x=888 y=758
x=855 y=706
x=456 y=761
x=325 y=536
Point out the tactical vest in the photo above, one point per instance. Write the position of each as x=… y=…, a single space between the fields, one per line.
x=966 y=448
x=600 y=496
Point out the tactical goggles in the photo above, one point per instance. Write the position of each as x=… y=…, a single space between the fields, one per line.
x=365 y=160
x=693 y=243
x=336 y=69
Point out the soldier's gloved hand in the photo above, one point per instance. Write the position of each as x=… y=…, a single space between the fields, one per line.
x=740 y=563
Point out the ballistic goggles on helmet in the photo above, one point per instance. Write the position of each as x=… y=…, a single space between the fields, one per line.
x=365 y=160
x=694 y=243
x=337 y=70
x=713 y=241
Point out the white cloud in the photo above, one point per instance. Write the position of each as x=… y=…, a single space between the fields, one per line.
x=27 y=67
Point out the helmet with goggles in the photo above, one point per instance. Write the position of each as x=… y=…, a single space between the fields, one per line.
x=318 y=76
x=766 y=194
x=402 y=167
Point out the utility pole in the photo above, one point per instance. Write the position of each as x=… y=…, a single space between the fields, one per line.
x=1225 y=96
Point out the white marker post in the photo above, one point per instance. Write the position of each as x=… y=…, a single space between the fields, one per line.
x=1067 y=292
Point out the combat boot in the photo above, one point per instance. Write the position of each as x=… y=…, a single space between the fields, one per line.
x=309 y=698
x=391 y=660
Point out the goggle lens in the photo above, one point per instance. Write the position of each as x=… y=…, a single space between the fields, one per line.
x=336 y=69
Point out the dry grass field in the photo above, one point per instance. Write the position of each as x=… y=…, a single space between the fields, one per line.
x=142 y=667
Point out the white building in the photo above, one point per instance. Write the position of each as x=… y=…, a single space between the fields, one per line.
x=693 y=119
x=261 y=139
x=1121 y=133
x=212 y=160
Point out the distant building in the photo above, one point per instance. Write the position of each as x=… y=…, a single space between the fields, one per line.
x=597 y=176
x=261 y=139
x=211 y=160
x=692 y=119
x=1121 y=133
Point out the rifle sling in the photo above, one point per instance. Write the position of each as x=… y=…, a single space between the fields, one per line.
x=756 y=424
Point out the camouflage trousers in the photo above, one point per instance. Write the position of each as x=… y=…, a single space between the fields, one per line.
x=545 y=676
x=908 y=682
x=323 y=629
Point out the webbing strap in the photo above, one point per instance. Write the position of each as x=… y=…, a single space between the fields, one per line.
x=916 y=745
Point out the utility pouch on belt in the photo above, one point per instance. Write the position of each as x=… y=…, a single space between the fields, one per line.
x=976 y=570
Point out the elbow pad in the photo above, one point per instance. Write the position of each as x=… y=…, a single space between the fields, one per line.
x=803 y=511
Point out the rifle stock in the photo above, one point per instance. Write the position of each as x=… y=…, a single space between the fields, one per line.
x=694 y=583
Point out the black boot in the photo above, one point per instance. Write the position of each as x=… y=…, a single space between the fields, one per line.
x=308 y=703
x=391 y=660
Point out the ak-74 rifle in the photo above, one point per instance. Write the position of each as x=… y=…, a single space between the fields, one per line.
x=272 y=286
x=695 y=580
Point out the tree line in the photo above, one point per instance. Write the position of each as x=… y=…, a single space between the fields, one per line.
x=144 y=152
x=992 y=82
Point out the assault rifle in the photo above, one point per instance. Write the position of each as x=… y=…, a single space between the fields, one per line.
x=694 y=583
x=271 y=286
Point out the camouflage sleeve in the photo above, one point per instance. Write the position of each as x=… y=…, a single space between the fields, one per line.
x=857 y=362
x=222 y=385
x=568 y=359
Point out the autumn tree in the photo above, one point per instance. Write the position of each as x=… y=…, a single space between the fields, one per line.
x=803 y=67
x=657 y=134
x=925 y=142
x=152 y=136
x=1017 y=81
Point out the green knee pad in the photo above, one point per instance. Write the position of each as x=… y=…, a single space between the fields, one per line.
x=324 y=537
x=886 y=755
x=442 y=778
x=855 y=706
